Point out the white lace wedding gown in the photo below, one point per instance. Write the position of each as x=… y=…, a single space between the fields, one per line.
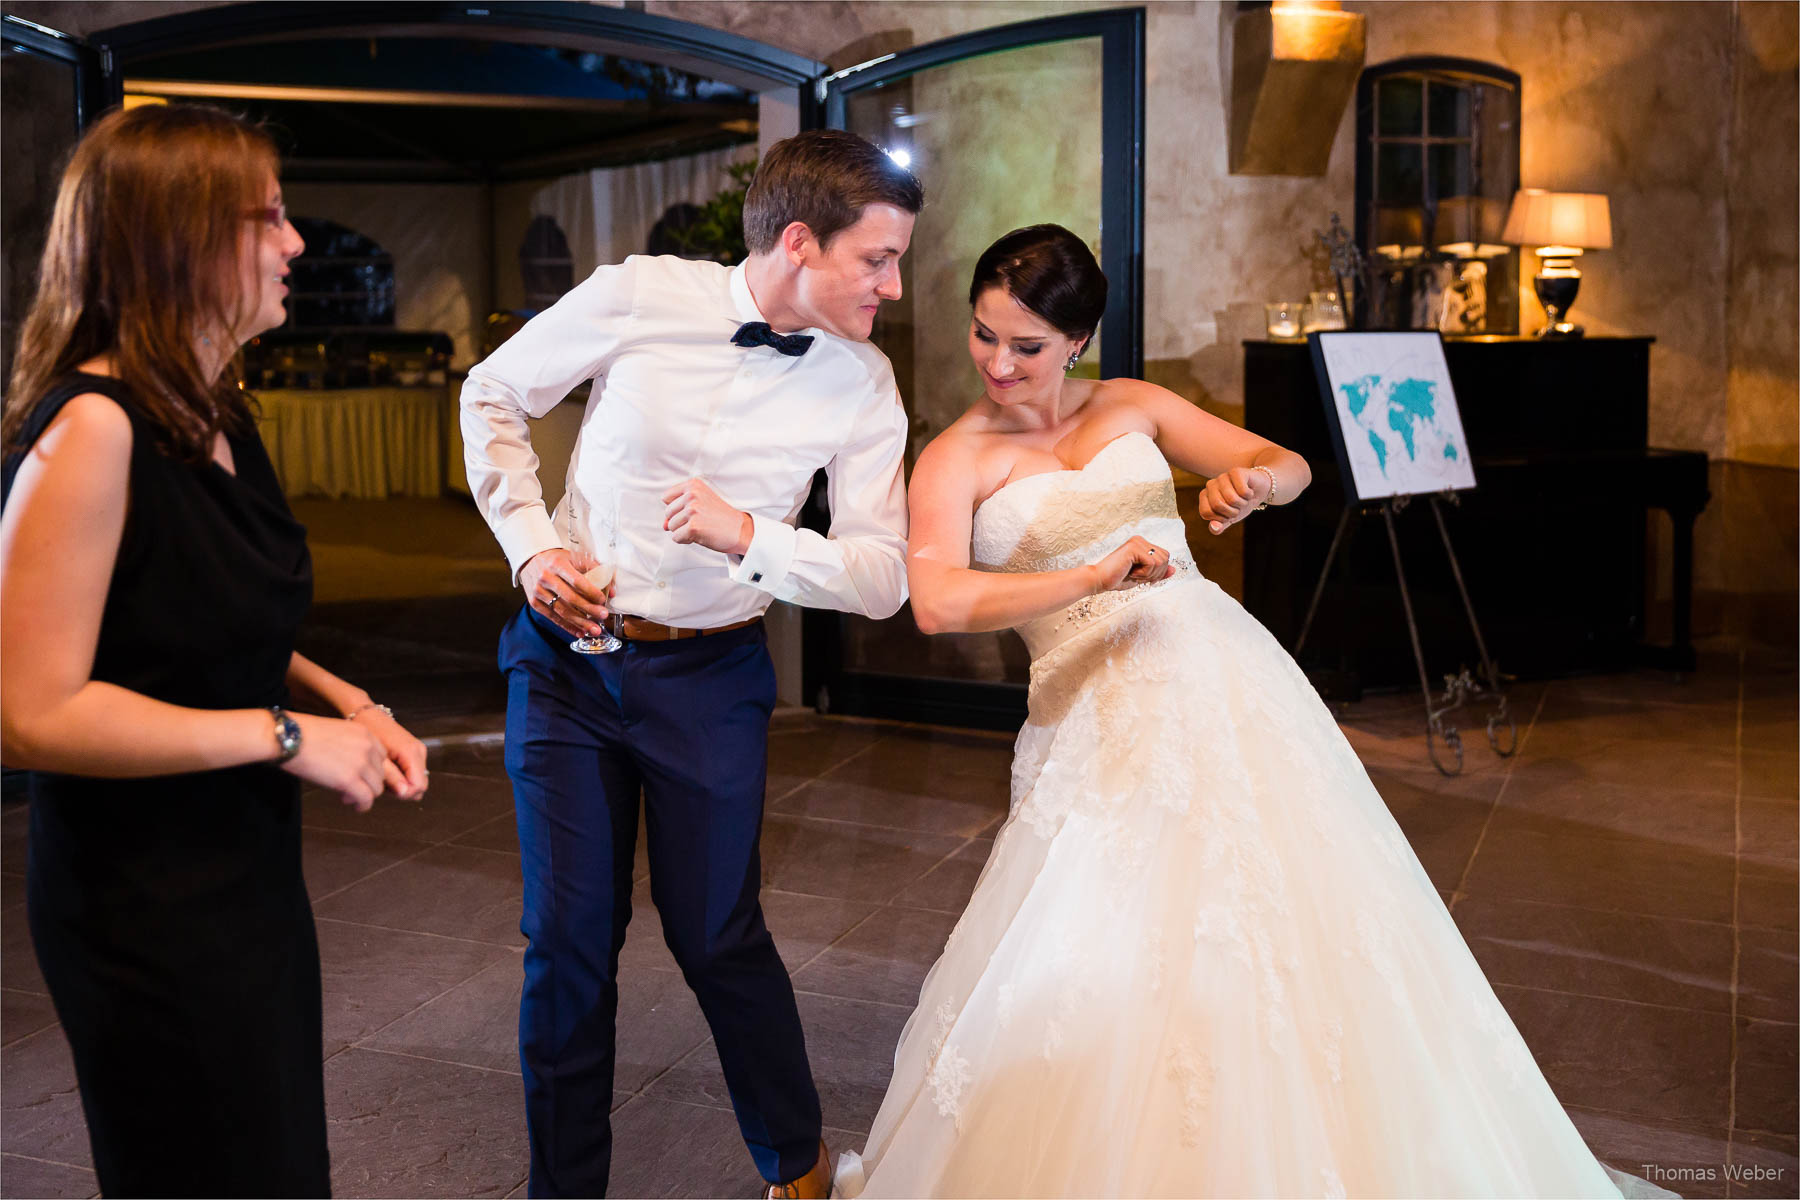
x=1202 y=960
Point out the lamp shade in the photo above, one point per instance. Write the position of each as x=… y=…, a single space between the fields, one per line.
x=1579 y=219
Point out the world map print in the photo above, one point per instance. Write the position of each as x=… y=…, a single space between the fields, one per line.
x=1397 y=413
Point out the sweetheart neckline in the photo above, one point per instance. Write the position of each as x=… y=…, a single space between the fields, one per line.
x=1066 y=470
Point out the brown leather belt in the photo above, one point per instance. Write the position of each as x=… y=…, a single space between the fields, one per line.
x=640 y=629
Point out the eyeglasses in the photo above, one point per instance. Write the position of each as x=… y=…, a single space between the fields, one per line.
x=274 y=216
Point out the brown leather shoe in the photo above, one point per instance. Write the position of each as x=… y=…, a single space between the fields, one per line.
x=814 y=1185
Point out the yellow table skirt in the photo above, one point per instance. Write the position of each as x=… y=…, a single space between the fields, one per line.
x=362 y=443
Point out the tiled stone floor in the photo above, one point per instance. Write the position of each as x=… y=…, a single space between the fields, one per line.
x=1628 y=881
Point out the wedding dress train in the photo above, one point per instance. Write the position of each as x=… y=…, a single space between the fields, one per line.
x=1202 y=959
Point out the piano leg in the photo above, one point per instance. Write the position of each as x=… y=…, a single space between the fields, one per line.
x=1679 y=656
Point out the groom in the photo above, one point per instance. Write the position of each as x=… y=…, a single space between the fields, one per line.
x=717 y=394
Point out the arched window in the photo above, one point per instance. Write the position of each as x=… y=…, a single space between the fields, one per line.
x=343 y=280
x=545 y=265
x=1437 y=163
x=669 y=234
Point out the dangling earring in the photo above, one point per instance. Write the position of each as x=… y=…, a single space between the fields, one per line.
x=1070 y=365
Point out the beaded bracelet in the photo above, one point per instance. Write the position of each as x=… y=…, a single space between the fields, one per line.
x=362 y=708
x=1271 y=497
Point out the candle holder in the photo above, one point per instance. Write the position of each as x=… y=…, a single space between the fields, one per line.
x=1282 y=318
x=1323 y=311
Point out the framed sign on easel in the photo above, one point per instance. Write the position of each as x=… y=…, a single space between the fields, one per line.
x=1397 y=434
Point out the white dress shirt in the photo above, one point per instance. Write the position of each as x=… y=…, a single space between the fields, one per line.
x=674 y=399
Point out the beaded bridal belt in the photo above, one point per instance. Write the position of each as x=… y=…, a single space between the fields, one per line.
x=1047 y=633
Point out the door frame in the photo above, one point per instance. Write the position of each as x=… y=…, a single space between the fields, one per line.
x=95 y=89
x=826 y=683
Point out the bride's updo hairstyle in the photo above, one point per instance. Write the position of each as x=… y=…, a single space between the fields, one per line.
x=1049 y=271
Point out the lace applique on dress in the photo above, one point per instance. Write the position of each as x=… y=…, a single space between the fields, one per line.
x=1510 y=1052
x=1375 y=943
x=949 y=1076
x=1074 y=984
x=946 y=1021
x=1126 y=849
x=1192 y=1075
x=1331 y=1045
x=950 y=1072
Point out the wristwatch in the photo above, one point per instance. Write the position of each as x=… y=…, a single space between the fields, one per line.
x=287 y=732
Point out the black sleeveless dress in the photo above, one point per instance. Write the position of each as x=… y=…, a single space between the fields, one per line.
x=169 y=914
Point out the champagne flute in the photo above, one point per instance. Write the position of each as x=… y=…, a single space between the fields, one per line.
x=600 y=575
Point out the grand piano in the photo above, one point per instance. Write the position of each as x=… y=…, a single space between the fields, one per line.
x=1552 y=541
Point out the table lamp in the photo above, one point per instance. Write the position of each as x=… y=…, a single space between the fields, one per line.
x=1561 y=225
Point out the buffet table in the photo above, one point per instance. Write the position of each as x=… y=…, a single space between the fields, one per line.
x=362 y=443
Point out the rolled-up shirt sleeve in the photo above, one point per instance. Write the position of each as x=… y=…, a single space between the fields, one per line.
x=568 y=343
x=860 y=567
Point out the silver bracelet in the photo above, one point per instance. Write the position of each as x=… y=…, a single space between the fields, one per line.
x=362 y=708
x=1271 y=497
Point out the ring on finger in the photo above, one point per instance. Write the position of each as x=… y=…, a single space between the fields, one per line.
x=551 y=602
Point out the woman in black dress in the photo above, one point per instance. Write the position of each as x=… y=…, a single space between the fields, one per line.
x=152 y=580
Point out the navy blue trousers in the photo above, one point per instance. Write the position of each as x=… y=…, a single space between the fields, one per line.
x=686 y=725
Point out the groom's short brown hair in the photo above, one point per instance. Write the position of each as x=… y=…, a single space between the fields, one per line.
x=824 y=179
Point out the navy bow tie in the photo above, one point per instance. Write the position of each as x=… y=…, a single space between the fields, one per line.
x=758 y=333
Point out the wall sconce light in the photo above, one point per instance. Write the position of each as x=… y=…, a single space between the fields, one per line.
x=1293 y=71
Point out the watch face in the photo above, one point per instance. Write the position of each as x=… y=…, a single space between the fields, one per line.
x=287 y=733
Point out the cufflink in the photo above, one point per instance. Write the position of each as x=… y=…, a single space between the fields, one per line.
x=756 y=577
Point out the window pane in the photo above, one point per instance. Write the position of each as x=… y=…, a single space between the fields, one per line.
x=1494 y=126
x=1448 y=109
x=1399 y=175
x=1450 y=174
x=1399 y=107
x=545 y=265
x=342 y=279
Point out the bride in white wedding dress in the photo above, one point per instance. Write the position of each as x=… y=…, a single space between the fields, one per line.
x=1202 y=959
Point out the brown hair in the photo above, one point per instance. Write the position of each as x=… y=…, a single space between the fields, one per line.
x=823 y=178
x=141 y=259
x=1049 y=271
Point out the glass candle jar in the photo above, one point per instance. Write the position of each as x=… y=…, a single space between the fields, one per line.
x=1323 y=311
x=1282 y=318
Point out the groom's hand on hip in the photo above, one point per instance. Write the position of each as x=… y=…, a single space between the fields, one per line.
x=696 y=514
x=556 y=585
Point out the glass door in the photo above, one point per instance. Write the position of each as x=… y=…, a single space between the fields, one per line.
x=1036 y=122
x=52 y=86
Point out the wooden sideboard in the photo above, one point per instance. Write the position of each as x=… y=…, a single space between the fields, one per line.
x=1551 y=541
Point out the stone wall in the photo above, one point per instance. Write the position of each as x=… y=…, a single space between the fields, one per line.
x=1751 y=527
